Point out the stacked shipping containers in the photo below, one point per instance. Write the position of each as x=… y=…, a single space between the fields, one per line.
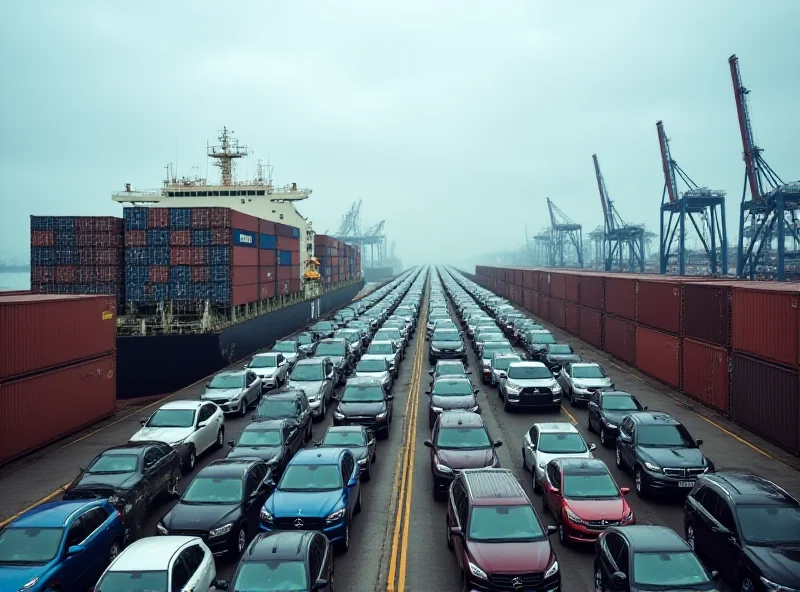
x=57 y=367
x=288 y=254
x=339 y=262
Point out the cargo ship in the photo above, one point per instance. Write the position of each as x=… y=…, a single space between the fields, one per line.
x=203 y=275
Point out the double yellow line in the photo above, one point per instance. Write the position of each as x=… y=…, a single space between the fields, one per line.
x=404 y=472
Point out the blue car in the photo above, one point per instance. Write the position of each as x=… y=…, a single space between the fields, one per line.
x=62 y=546
x=319 y=490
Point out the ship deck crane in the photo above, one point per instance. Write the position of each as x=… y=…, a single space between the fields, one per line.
x=771 y=210
x=703 y=207
x=622 y=244
x=566 y=236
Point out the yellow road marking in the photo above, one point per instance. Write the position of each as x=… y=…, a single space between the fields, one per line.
x=572 y=419
x=46 y=498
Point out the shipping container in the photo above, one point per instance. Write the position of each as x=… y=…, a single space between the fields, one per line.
x=287 y=243
x=287 y=273
x=266 y=227
x=527 y=279
x=40 y=331
x=592 y=291
x=706 y=312
x=267 y=258
x=244 y=256
x=591 y=327
x=619 y=338
x=558 y=314
x=658 y=354
x=244 y=222
x=266 y=290
x=764 y=321
x=558 y=286
x=244 y=294
x=620 y=297
x=544 y=307
x=573 y=318
x=268 y=242
x=765 y=398
x=267 y=274
x=518 y=281
x=244 y=275
x=41 y=408
x=658 y=304
x=705 y=374
x=572 y=282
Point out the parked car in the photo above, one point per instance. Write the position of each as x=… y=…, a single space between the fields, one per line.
x=289 y=404
x=339 y=352
x=358 y=440
x=450 y=394
x=499 y=364
x=275 y=441
x=555 y=355
x=291 y=350
x=316 y=378
x=449 y=369
x=306 y=341
x=446 y=344
x=386 y=350
x=485 y=354
x=233 y=391
x=323 y=329
x=535 y=343
x=271 y=367
x=392 y=334
x=544 y=442
x=530 y=385
x=606 y=410
x=354 y=339
x=366 y=402
x=580 y=379
x=376 y=368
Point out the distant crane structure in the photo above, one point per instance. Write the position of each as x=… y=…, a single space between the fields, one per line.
x=566 y=239
x=543 y=247
x=350 y=232
x=623 y=244
x=771 y=209
x=703 y=207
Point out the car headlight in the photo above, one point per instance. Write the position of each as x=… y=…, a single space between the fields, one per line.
x=363 y=461
x=436 y=409
x=611 y=426
x=513 y=386
x=338 y=415
x=382 y=415
x=627 y=518
x=486 y=363
x=573 y=517
x=551 y=571
x=265 y=516
x=233 y=397
x=178 y=442
x=651 y=467
x=771 y=586
x=542 y=465
x=477 y=571
x=114 y=499
x=32 y=583
x=313 y=399
x=435 y=349
x=222 y=530
x=443 y=469
x=161 y=528
x=337 y=515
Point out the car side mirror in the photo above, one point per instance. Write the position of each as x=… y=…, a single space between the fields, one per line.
x=202 y=424
x=551 y=530
x=644 y=408
x=353 y=482
x=555 y=491
x=253 y=416
x=475 y=391
x=624 y=437
x=456 y=531
x=221 y=584
x=428 y=443
x=371 y=441
x=316 y=444
x=427 y=338
x=618 y=577
x=715 y=575
x=231 y=443
x=334 y=397
x=75 y=550
x=144 y=421
x=320 y=584
x=624 y=490
x=430 y=372
x=427 y=392
x=208 y=385
x=698 y=442
x=592 y=447
x=498 y=443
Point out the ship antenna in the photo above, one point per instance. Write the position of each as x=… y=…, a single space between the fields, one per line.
x=225 y=153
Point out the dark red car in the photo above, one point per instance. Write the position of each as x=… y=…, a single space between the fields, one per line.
x=584 y=498
x=499 y=541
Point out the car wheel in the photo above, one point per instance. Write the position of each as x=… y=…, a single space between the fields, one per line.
x=599 y=586
x=243 y=407
x=191 y=458
x=603 y=436
x=375 y=455
x=618 y=459
x=524 y=460
x=357 y=509
x=220 y=438
x=545 y=507
x=534 y=483
x=641 y=484
x=114 y=551
x=367 y=474
x=589 y=427
x=562 y=534
x=747 y=585
x=465 y=587
x=172 y=486
x=448 y=535
x=241 y=542
x=344 y=545
x=689 y=530
x=308 y=433
x=571 y=398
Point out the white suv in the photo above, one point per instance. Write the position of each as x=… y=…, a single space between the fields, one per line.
x=191 y=427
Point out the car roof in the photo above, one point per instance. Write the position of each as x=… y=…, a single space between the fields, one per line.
x=651 y=538
x=333 y=340
x=345 y=428
x=232 y=373
x=575 y=466
x=746 y=488
x=150 y=553
x=507 y=355
x=227 y=467
x=527 y=365
x=450 y=363
x=129 y=448
x=281 y=545
x=382 y=342
x=183 y=404
x=53 y=514
x=269 y=354
x=452 y=379
x=309 y=362
x=318 y=456
x=556 y=427
x=452 y=419
x=653 y=418
x=579 y=364
x=264 y=424
x=493 y=487
x=284 y=395
x=363 y=381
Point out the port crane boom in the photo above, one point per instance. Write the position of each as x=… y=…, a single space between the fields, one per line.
x=565 y=235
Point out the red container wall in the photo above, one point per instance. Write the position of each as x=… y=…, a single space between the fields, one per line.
x=135 y=238
x=39 y=409
x=591 y=292
x=245 y=275
x=244 y=221
x=180 y=238
x=544 y=307
x=572 y=283
x=659 y=355
x=244 y=294
x=591 y=327
x=266 y=227
x=287 y=243
x=159 y=274
x=705 y=373
x=244 y=256
x=518 y=278
x=294 y=286
x=544 y=283
x=158 y=218
x=765 y=323
x=535 y=303
x=527 y=279
x=266 y=290
x=267 y=274
x=558 y=286
x=267 y=258
x=286 y=273
x=200 y=274
x=619 y=338
x=764 y=398
x=620 y=297
x=658 y=305
x=573 y=323
x=40 y=331
x=706 y=312
x=558 y=314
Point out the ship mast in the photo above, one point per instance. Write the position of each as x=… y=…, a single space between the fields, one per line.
x=224 y=155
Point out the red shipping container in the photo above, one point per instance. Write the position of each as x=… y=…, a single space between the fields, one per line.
x=200 y=274
x=244 y=221
x=659 y=355
x=73 y=397
x=572 y=282
x=159 y=274
x=88 y=275
x=201 y=218
x=245 y=275
x=158 y=218
x=592 y=291
x=285 y=272
x=66 y=274
x=558 y=286
x=534 y=303
x=180 y=255
x=43 y=238
x=620 y=297
x=573 y=322
x=658 y=304
x=296 y=273
x=267 y=274
x=705 y=373
x=39 y=275
x=199 y=255
x=527 y=279
x=221 y=236
x=518 y=277
x=42 y=331
x=558 y=313
x=619 y=338
x=764 y=321
x=244 y=256
x=707 y=312
x=544 y=307
x=287 y=243
x=135 y=238
x=591 y=327
x=180 y=238
x=266 y=290
x=104 y=239
x=266 y=227
x=294 y=286
x=244 y=294
x=765 y=398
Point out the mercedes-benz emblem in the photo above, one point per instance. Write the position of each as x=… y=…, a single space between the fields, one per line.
x=604 y=522
x=516 y=583
x=298 y=523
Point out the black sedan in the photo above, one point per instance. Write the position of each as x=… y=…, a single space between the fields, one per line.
x=274 y=441
x=133 y=477
x=555 y=355
x=365 y=402
x=221 y=505
x=359 y=440
x=606 y=411
x=289 y=404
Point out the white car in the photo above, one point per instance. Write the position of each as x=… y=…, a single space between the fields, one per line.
x=191 y=427
x=499 y=365
x=174 y=563
x=547 y=441
x=271 y=367
x=580 y=379
x=233 y=390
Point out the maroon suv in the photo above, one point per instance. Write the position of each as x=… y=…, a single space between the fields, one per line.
x=499 y=541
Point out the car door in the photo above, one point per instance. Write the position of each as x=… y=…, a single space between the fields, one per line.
x=625 y=441
x=76 y=568
x=349 y=475
x=462 y=514
x=253 y=388
x=550 y=485
x=179 y=574
x=529 y=447
x=254 y=496
x=593 y=409
x=97 y=540
x=154 y=480
x=726 y=549
x=200 y=436
x=371 y=444
x=215 y=420
x=565 y=378
x=611 y=549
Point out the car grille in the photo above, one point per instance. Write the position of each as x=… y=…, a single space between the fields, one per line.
x=601 y=524
x=192 y=533
x=360 y=420
x=683 y=472
x=534 y=396
x=508 y=580
x=299 y=523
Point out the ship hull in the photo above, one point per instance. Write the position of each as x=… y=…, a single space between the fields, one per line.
x=161 y=364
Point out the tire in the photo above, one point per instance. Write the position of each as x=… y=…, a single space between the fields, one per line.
x=747 y=585
x=220 y=438
x=374 y=456
x=603 y=437
x=618 y=459
x=506 y=406
x=172 y=486
x=562 y=534
x=344 y=545
x=640 y=483
x=191 y=459
x=535 y=484
x=309 y=433
x=524 y=462
x=241 y=544
x=366 y=475
x=689 y=535
x=599 y=585
x=589 y=427
x=465 y=587
x=357 y=509
x=243 y=407
x=114 y=550
x=571 y=399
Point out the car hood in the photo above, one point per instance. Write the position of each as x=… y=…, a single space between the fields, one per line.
x=589 y=383
x=303 y=503
x=220 y=393
x=168 y=435
x=264 y=372
x=14 y=577
x=95 y=482
x=291 y=356
x=614 y=417
x=564 y=357
x=674 y=457
x=450 y=402
x=599 y=509
x=466 y=459
x=546 y=457
x=311 y=387
x=388 y=357
x=446 y=344
x=498 y=558
x=266 y=453
x=534 y=382
x=200 y=516
x=383 y=376
x=538 y=346
x=779 y=564
x=368 y=409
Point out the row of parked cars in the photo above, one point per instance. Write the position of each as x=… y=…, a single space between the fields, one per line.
x=273 y=504
x=750 y=526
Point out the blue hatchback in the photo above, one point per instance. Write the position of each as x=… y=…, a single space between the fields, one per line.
x=60 y=546
x=319 y=490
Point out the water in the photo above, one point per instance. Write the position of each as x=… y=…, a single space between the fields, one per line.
x=15 y=280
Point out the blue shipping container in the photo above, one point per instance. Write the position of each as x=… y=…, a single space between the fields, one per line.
x=135 y=218
x=41 y=223
x=201 y=238
x=157 y=237
x=67 y=256
x=267 y=242
x=244 y=238
x=136 y=256
x=201 y=291
x=284 y=258
x=220 y=273
x=158 y=255
x=65 y=239
x=295 y=232
x=180 y=274
x=180 y=218
x=221 y=292
x=180 y=291
x=64 y=224
x=137 y=274
x=42 y=256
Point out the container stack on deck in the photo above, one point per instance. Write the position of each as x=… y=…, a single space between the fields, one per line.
x=57 y=367
x=288 y=243
x=339 y=262
x=734 y=346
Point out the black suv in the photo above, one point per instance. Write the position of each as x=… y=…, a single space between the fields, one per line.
x=275 y=441
x=290 y=405
x=746 y=527
x=661 y=453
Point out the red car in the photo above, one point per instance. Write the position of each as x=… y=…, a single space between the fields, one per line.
x=584 y=498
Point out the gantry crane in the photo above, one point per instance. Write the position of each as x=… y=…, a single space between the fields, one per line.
x=772 y=208
x=543 y=255
x=622 y=244
x=374 y=238
x=565 y=234
x=704 y=207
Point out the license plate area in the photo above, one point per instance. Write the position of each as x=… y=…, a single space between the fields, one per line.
x=686 y=484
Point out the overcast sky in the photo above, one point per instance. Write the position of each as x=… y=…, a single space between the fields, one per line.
x=453 y=121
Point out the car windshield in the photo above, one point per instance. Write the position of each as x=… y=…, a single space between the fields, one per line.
x=543 y=338
x=589 y=485
x=619 y=403
x=445 y=335
x=561 y=443
x=362 y=394
x=114 y=463
x=264 y=362
x=504 y=362
x=371 y=366
x=504 y=523
x=462 y=438
x=286 y=347
x=324 y=326
x=668 y=571
x=491 y=348
x=311 y=478
x=490 y=337
x=341 y=438
x=172 y=418
x=227 y=381
x=587 y=372
x=271 y=576
x=307 y=373
x=380 y=348
x=664 y=435
x=29 y=546
x=260 y=438
x=351 y=336
x=133 y=581
x=304 y=339
x=330 y=348
x=559 y=349
x=529 y=372
x=387 y=334
x=276 y=408
x=450 y=369
x=452 y=388
x=213 y=490
x=770 y=525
